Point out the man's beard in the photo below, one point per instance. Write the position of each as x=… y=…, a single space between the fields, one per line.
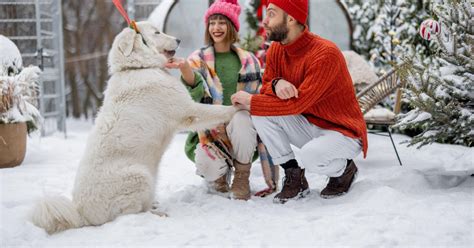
x=279 y=32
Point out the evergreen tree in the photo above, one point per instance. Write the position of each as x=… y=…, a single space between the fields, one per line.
x=363 y=14
x=253 y=40
x=441 y=89
x=385 y=31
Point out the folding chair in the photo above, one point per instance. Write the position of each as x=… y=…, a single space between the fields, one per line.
x=373 y=94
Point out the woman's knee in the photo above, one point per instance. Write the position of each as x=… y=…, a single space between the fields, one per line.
x=242 y=119
x=241 y=130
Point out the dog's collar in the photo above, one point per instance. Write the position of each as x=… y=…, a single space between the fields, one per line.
x=129 y=68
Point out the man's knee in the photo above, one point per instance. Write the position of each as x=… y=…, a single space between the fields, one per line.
x=312 y=156
x=259 y=120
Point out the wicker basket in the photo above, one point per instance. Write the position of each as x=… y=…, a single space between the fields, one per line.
x=12 y=144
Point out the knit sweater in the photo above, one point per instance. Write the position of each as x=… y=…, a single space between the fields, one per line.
x=208 y=85
x=326 y=96
x=227 y=68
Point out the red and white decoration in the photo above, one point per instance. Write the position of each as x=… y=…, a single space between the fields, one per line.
x=429 y=29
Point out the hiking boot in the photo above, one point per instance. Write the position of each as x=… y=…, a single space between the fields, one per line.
x=220 y=185
x=240 y=185
x=338 y=186
x=295 y=186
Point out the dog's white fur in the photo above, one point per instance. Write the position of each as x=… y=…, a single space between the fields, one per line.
x=144 y=107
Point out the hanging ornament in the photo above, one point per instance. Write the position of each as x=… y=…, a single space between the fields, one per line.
x=429 y=28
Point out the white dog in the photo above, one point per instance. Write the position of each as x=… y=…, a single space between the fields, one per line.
x=144 y=107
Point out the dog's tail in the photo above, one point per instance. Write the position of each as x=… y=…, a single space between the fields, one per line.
x=56 y=214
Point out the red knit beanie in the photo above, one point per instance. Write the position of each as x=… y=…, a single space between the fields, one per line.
x=298 y=9
x=228 y=8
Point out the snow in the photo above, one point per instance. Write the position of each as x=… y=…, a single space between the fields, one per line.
x=379 y=114
x=10 y=56
x=422 y=117
x=426 y=202
x=21 y=88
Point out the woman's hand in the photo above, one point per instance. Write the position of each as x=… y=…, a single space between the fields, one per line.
x=176 y=63
x=184 y=67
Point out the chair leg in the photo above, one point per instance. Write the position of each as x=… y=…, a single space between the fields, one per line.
x=393 y=144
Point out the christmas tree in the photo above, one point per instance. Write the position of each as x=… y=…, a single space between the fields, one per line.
x=363 y=14
x=441 y=87
x=385 y=31
x=253 y=40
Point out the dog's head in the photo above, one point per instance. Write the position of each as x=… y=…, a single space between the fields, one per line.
x=149 y=48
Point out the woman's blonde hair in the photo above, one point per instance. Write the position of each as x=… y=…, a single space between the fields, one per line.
x=232 y=35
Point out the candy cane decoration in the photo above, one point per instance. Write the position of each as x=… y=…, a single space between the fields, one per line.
x=131 y=23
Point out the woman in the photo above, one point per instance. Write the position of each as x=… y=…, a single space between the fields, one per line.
x=212 y=74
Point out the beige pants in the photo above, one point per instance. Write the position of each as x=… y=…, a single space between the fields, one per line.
x=242 y=135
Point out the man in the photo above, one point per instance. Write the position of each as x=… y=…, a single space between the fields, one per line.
x=307 y=100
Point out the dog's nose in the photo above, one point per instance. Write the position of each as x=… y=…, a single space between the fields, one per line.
x=178 y=41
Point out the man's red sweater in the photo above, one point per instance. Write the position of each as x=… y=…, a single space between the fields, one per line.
x=326 y=95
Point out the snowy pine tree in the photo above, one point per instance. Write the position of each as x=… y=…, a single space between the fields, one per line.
x=363 y=14
x=385 y=31
x=252 y=41
x=441 y=89
x=395 y=32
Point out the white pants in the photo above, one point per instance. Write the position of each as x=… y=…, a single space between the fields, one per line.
x=243 y=137
x=322 y=151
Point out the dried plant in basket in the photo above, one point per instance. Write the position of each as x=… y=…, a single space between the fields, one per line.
x=19 y=97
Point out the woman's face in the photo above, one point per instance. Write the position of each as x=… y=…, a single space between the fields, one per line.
x=218 y=30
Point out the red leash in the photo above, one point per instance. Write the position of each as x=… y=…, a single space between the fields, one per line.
x=131 y=23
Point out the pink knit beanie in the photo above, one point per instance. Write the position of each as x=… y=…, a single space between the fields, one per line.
x=228 y=8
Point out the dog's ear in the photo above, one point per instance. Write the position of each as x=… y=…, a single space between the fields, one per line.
x=127 y=42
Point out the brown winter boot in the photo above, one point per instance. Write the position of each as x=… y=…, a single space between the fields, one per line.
x=220 y=185
x=240 y=185
x=338 y=186
x=295 y=186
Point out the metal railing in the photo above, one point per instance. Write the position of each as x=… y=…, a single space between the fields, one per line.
x=36 y=28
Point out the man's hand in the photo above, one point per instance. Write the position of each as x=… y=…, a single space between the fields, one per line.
x=241 y=100
x=285 y=90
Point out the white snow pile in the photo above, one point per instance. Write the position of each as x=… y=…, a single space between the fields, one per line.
x=10 y=57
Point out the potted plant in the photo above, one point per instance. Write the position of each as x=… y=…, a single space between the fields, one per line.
x=19 y=115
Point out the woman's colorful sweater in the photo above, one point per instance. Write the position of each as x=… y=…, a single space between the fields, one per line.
x=208 y=87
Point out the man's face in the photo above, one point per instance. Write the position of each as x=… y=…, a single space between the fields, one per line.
x=275 y=23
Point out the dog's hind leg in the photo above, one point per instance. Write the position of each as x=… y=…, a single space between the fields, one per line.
x=134 y=192
x=205 y=116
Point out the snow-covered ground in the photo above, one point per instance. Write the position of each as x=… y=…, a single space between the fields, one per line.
x=426 y=202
